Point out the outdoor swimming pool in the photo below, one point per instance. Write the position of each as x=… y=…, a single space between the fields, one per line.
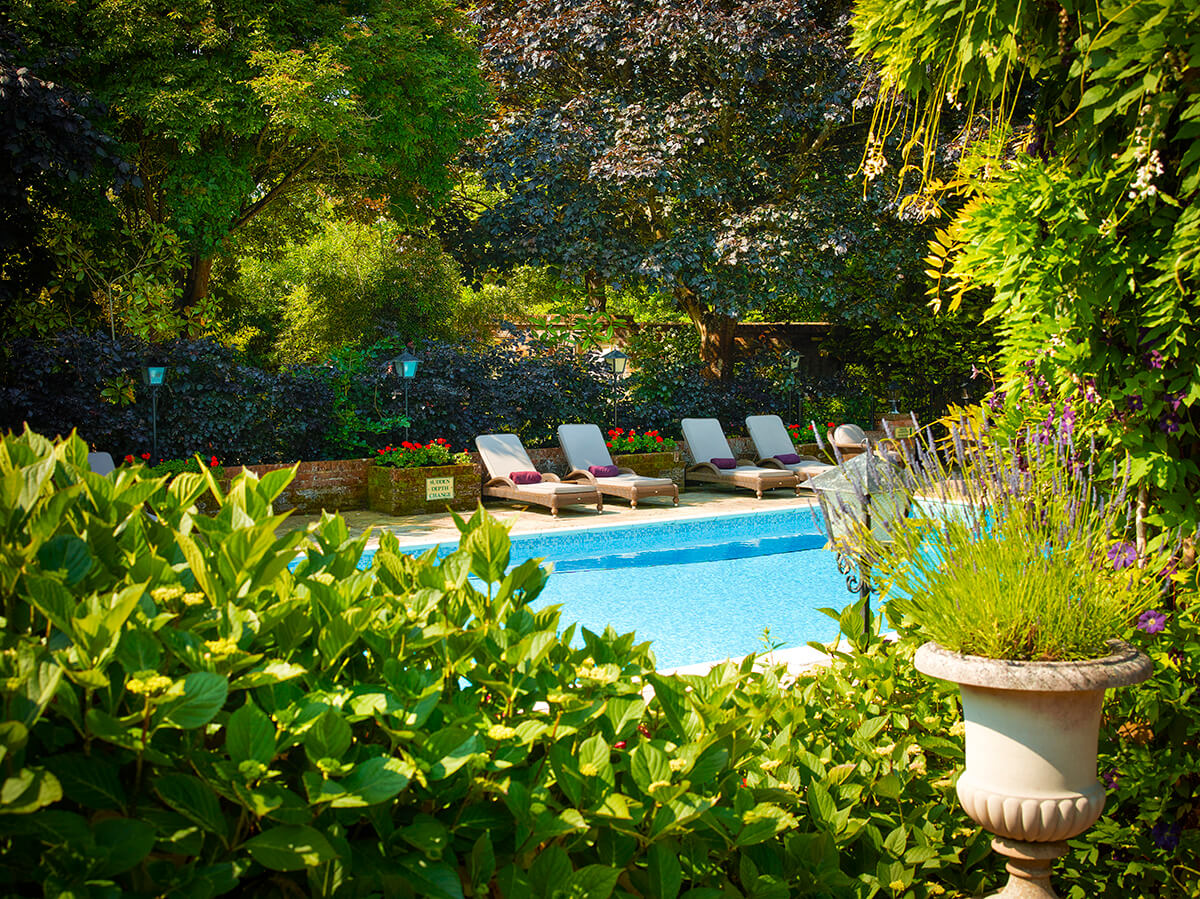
x=701 y=589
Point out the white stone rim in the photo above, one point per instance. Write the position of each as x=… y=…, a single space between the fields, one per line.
x=1124 y=666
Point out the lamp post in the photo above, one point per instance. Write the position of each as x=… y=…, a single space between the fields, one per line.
x=864 y=493
x=793 y=359
x=154 y=376
x=894 y=396
x=615 y=361
x=404 y=366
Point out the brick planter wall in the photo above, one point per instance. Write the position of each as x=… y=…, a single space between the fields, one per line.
x=654 y=465
x=336 y=484
x=401 y=491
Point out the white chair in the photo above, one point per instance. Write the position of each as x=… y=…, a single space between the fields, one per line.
x=775 y=449
x=585 y=449
x=716 y=464
x=504 y=456
x=850 y=440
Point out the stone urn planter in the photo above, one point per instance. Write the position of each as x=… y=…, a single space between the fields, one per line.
x=411 y=491
x=1031 y=735
x=665 y=464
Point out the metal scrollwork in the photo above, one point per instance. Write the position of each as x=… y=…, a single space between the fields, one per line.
x=849 y=568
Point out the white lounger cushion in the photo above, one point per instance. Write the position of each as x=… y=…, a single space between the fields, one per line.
x=555 y=487
x=584 y=446
x=504 y=453
x=771 y=439
x=706 y=440
x=769 y=435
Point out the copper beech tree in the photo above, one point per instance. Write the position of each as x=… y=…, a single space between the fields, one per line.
x=704 y=149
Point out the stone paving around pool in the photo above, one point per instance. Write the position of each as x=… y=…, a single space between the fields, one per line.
x=694 y=503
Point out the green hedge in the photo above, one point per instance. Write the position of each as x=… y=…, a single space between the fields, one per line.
x=194 y=706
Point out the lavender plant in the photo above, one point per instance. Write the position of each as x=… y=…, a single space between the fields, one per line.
x=1012 y=549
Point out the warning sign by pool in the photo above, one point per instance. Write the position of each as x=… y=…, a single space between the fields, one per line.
x=439 y=488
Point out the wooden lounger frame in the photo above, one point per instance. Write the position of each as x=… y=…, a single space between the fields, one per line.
x=506 y=488
x=707 y=473
x=631 y=492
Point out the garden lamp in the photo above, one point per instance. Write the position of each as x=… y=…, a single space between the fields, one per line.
x=964 y=392
x=154 y=376
x=404 y=367
x=866 y=492
x=894 y=396
x=615 y=361
x=793 y=360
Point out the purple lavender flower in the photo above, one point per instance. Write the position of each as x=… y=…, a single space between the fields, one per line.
x=1068 y=421
x=1122 y=555
x=1152 y=621
x=1111 y=778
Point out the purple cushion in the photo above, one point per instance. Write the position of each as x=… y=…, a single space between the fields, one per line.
x=525 y=477
x=724 y=463
x=787 y=458
x=604 y=471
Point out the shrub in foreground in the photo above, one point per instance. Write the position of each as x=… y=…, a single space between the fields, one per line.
x=194 y=705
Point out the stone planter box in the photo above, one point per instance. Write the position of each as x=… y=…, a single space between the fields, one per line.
x=411 y=491
x=654 y=465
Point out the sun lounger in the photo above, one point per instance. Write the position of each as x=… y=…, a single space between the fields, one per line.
x=707 y=443
x=101 y=463
x=504 y=456
x=587 y=454
x=775 y=450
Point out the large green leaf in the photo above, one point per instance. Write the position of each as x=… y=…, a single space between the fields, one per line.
x=204 y=694
x=194 y=799
x=250 y=735
x=329 y=737
x=289 y=848
x=488 y=546
x=123 y=842
x=375 y=780
x=28 y=790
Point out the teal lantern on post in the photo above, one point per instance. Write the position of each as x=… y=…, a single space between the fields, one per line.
x=404 y=367
x=154 y=376
x=616 y=362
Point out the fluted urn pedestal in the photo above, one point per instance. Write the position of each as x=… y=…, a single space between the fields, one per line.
x=1031 y=735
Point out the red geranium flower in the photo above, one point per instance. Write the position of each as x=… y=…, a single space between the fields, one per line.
x=657 y=439
x=608 y=444
x=213 y=463
x=146 y=456
x=129 y=458
x=829 y=424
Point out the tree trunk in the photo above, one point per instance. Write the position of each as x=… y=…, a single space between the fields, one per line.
x=195 y=287
x=716 y=335
x=597 y=297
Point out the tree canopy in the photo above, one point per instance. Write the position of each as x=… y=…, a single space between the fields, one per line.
x=703 y=148
x=49 y=141
x=225 y=106
x=1082 y=220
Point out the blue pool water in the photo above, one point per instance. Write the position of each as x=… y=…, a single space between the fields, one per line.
x=702 y=589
